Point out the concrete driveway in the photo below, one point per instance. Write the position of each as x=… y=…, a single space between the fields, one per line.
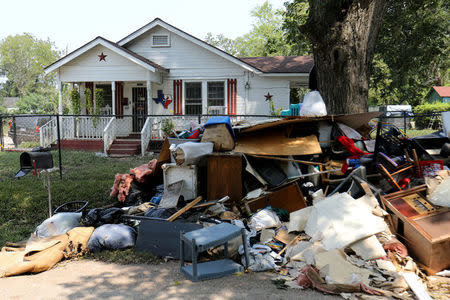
x=88 y=279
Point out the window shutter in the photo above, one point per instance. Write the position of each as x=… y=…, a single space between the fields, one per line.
x=119 y=100
x=231 y=96
x=178 y=97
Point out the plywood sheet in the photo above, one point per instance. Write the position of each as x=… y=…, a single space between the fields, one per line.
x=276 y=143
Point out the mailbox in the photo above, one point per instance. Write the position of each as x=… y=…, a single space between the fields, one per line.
x=34 y=161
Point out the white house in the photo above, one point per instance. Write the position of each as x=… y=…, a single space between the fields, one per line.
x=182 y=76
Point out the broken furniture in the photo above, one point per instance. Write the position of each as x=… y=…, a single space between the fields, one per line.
x=173 y=173
x=218 y=130
x=162 y=238
x=423 y=226
x=224 y=176
x=203 y=239
x=288 y=197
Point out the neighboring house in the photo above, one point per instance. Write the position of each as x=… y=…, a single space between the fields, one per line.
x=182 y=75
x=439 y=94
x=10 y=103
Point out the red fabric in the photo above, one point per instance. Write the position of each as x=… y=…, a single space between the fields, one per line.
x=194 y=134
x=349 y=145
x=404 y=182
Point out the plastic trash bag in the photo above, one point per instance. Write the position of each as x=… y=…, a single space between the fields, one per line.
x=265 y=218
x=190 y=153
x=58 y=224
x=99 y=216
x=112 y=237
x=313 y=105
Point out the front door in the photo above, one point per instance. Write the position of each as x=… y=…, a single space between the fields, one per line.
x=139 y=108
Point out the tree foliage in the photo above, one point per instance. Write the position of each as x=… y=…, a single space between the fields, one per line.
x=266 y=38
x=35 y=104
x=23 y=58
x=411 y=52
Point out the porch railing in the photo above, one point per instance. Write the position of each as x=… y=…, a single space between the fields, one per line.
x=146 y=134
x=109 y=134
x=83 y=128
x=48 y=133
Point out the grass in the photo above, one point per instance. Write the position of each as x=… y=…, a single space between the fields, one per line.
x=125 y=257
x=24 y=202
x=418 y=132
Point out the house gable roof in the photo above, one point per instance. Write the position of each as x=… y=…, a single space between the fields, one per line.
x=281 y=64
x=193 y=39
x=443 y=91
x=132 y=56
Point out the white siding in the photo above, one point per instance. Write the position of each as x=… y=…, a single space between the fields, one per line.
x=190 y=62
x=87 y=67
x=184 y=58
x=260 y=86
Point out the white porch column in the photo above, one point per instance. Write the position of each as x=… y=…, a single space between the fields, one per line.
x=149 y=97
x=113 y=89
x=60 y=100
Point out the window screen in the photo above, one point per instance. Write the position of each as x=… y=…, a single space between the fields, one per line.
x=193 y=103
x=216 y=93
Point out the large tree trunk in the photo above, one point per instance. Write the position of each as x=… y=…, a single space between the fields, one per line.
x=343 y=34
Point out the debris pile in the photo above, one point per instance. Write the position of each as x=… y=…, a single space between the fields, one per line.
x=327 y=202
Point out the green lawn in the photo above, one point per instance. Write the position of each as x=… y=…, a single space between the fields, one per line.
x=24 y=202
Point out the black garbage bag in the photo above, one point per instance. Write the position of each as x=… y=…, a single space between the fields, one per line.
x=98 y=216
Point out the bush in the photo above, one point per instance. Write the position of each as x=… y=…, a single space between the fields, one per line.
x=423 y=122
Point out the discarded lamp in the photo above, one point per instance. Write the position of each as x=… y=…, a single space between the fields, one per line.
x=34 y=161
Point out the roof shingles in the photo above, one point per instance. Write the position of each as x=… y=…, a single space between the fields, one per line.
x=281 y=64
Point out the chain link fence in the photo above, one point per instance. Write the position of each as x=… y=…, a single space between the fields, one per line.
x=29 y=131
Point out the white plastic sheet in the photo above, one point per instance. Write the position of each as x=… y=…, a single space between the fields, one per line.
x=313 y=105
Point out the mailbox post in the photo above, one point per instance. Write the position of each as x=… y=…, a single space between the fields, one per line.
x=37 y=161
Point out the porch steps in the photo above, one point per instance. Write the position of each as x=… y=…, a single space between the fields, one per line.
x=126 y=146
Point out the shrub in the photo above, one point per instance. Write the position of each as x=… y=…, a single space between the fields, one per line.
x=423 y=122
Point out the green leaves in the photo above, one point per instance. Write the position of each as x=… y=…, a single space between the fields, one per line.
x=23 y=58
x=265 y=39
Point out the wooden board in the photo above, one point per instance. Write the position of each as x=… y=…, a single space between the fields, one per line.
x=224 y=176
x=289 y=197
x=277 y=143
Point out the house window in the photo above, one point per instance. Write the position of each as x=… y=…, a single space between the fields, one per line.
x=193 y=103
x=160 y=40
x=216 y=93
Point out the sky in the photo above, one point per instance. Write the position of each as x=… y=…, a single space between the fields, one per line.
x=71 y=24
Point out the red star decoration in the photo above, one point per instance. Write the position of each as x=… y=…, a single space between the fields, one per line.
x=102 y=57
x=268 y=96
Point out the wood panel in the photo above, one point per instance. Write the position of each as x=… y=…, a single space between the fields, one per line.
x=289 y=197
x=224 y=176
